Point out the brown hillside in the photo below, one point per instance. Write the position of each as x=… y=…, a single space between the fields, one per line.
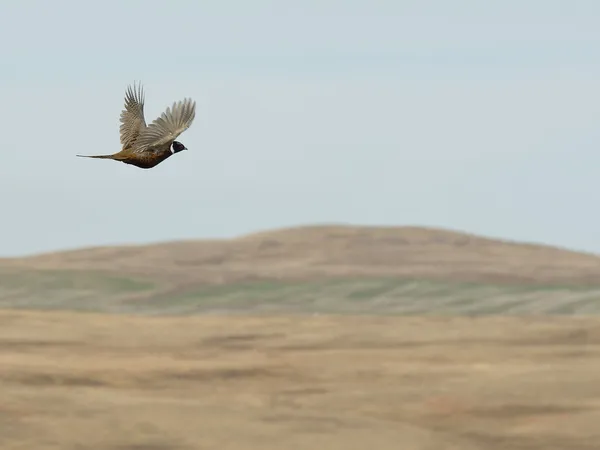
x=333 y=251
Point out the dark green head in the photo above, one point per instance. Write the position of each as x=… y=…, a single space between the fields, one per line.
x=177 y=147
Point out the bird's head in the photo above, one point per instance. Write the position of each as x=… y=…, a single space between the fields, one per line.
x=178 y=146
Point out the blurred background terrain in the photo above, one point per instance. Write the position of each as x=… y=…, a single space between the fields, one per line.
x=338 y=337
x=311 y=269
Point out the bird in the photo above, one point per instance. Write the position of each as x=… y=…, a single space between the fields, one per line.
x=146 y=146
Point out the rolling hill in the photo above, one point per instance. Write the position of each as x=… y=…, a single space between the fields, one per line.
x=343 y=269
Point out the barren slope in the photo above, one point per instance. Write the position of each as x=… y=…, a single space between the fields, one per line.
x=318 y=269
x=306 y=252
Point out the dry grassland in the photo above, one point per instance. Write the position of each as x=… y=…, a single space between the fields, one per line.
x=88 y=381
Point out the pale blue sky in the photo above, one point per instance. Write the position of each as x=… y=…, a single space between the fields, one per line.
x=471 y=115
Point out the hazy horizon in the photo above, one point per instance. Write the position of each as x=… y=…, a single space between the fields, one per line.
x=468 y=116
x=297 y=226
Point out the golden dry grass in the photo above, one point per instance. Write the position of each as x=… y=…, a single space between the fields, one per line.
x=87 y=381
x=119 y=382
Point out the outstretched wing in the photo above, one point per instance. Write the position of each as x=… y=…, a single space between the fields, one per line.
x=132 y=117
x=165 y=129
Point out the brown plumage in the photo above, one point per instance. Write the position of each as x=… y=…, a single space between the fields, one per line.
x=146 y=146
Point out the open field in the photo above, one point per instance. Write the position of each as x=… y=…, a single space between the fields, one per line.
x=90 y=381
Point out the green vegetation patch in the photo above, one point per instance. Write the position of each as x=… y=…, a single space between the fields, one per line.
x=65 y=289
x=380 y=295
x=93 y=291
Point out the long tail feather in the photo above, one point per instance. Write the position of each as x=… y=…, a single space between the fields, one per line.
x=96 y=156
